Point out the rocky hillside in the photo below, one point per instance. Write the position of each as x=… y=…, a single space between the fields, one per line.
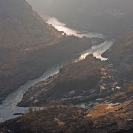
x=113 y=114
x=21 y=27
x=102 y=118
x=116 y=108
x=29 y=46
x=21 y=32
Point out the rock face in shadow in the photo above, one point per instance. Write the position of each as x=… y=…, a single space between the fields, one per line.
x=21 y=32
x=74 y=83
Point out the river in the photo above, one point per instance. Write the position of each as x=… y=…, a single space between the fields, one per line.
x=69 y=31
x=8 y=106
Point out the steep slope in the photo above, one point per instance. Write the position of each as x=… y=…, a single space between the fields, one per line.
x=111 y=17
x=73 y=84
x=121 y=55
x=21 y=31
x=29 y=46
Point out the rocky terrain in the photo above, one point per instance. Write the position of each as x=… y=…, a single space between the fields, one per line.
x=106 y=88
x=87 y=81
x=105 y=78
x=112 y=76
x=115 y=109
x=113 y=90
x=21 y=32
x=76 y=82
x=121 y=55
x=110 y=17
x=29 y=46
x=113 y=114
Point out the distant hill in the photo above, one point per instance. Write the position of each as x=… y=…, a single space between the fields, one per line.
x=111 y=17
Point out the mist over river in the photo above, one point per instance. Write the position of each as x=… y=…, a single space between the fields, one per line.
x=8 y=107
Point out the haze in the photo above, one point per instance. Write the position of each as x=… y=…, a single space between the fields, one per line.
x=106 y=16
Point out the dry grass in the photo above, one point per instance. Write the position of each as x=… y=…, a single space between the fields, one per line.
x=102 y=109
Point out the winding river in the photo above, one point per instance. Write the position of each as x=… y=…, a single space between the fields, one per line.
x=8 y=107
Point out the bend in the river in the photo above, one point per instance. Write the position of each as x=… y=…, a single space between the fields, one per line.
x=8 y=107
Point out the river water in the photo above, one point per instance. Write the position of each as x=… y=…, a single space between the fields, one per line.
x=8 y=107
x=69 y=31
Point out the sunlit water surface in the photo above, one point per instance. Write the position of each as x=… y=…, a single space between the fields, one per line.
x=62 y=27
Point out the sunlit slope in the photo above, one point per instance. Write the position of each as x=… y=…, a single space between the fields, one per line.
x=121 y=55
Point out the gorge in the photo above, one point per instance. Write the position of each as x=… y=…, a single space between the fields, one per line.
x=60 y=76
